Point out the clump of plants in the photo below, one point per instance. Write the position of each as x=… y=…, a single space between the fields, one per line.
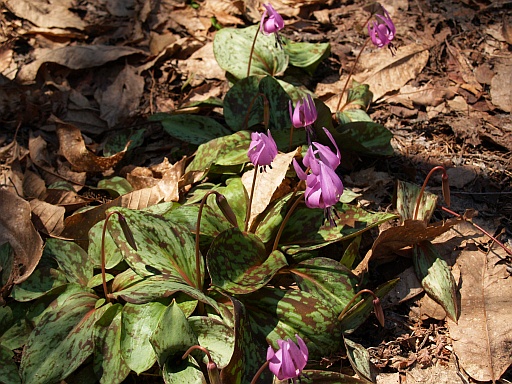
x=234 y=284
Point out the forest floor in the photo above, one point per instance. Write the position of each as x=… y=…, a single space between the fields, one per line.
x=446 y=96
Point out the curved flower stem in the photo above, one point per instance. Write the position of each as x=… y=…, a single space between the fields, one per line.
x=249 y=204
x=351 y=73
x=252 y=51
x=422 y=191
x=198 y=228
x=260 y=371
x=478 y=227
x=349 y=305
x=285 y=220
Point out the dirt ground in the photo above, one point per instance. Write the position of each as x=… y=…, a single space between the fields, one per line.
x=105 y=66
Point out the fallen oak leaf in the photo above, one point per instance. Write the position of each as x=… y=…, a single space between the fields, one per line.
x=72 y=147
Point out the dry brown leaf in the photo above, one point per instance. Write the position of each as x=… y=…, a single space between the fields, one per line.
x=501 y=91
x=483 y=335
x=54 y=14
x=426 y=95
x=47 y=218
x=72 y=147
x=17 y=229
x=202 y=65
x=465 y=70
x=33 y=185
x=386 y=73
x=67 y=199
x=121 y=99
x=439 y=374
x=266 y=182
x=223 y=10
x=77 y=226
x=76 y=57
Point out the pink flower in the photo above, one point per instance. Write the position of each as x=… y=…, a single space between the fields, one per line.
x=271 y=21
x=323 y=185
x=289 y=360
x=263 y=149
x=304 y=115
x=383 y=30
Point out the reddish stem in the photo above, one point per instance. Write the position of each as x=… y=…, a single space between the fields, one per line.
x=422 y=191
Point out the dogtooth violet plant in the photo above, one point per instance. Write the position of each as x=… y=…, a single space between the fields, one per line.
x=210 y=289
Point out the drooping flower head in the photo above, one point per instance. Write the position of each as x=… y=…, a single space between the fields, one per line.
x=289 y=360
x=263 y=149
x=304 y=115
x=382 y=31
x=271 y=22
x=323 y=185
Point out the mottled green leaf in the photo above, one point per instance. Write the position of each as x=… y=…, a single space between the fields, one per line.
x=407 y=195
x=125 y=279
x=364 y=137
x=113 y=254
x=228 y=150
x=108 y=360
x=137 y=325
x=72 y=259
x=306 y=55
x=186 y=371
x=61 y=341
x=236 y=195
x=435 y=276
x=39 y=283
x=173 y=335
x=164 y=247
x=248 y=352
x=358 y=96
x=353 y=115
x=14 y=328
x=238 y=262
x=351 y=253
x=116 y=186
x=328 y=279
x=278 y=314
x=8 y=368
x=215 y=336
x=359 y=358
x=244 y=105
x=116 y=143
x=269 y=221
x=307 y=228
x=193 y=129
x=232 y=47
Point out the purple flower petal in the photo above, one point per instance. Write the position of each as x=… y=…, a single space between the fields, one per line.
x=271 y=20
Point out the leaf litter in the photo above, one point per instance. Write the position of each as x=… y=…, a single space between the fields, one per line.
x=441 y=108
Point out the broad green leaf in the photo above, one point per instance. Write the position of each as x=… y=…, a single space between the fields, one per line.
x=125 y=279
x=236 y=195
x=435 y=276
x=232 y=47
x=113 y=254
x=358 y=96
x=212 y=222
x=278 y=314
x=14 y=328
x=352 y=115
x=8 y=368
x=191 y=129
x=138 y=324
x=248 y=352
x=61 y=341
x=328 y=279
x=109 y=364
x=164 y=247
x=359 y=358
x=116 y=186
x=185 y=371
x=72 y=259
x=244 y=106
x=269 y=221
x=306 y=55
x=407 y=195
x=237 y=262
x=172 y=336
x=39 y=283
x=307 y=228
x=97 y=280
x=228 y=150
x=215 y=336
x=351 y=253
x=363 y=137
x=161 y=286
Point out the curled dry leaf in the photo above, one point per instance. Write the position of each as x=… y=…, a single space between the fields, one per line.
x=72 y=147
x=17 y=229
x=47 y=218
